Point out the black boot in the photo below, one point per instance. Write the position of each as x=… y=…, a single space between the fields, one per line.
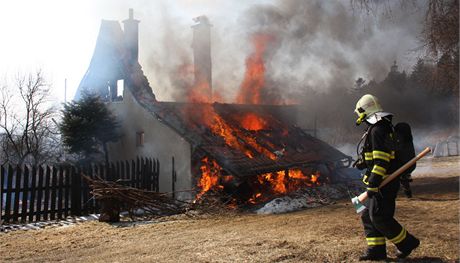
x=374 y=253
x=407 y=246
x=405 y=183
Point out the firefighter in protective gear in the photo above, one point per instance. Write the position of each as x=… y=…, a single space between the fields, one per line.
x=378 y=159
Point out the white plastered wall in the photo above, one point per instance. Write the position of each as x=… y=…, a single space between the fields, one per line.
x=160 y=142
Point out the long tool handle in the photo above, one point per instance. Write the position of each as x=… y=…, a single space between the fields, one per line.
x=396 y=173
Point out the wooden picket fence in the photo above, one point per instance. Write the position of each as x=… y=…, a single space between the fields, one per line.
x=45 y=192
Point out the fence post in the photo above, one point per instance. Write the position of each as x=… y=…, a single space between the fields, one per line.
x=46 y=209
x=67 y=181
x=133 y=173
x=60 y=193
x=122 y=172
x=157 y=176
x=40 y=191
x=25 y=192
x=17 y=190
x=118 y=173
x=54 y=188
x=33 y=192
x=9 y=193
x=2 y=180
x=143 y=174
x=138 y=173
x=173 y=178
x=150 y=174
x=75 y=202
x=127 y=174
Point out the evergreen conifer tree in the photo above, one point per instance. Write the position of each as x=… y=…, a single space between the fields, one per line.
x=87 y=127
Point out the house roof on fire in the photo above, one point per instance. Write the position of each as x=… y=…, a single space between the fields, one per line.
x=278 y=145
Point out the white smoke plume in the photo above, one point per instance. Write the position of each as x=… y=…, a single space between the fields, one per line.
x=319 y=44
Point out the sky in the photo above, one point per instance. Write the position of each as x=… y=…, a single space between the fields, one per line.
x=320 y=43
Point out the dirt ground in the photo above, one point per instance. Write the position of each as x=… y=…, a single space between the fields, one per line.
x=326 y=234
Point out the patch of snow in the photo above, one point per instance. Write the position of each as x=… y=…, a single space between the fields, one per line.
x=308 y=198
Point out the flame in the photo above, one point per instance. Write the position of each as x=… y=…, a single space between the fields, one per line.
x=220 y=127
x=297 y=174
x=266 y=186
x=254 y=78
x=209 y=176
x=200 y=92
x=282 y=184
x=314 y=177
x=276 y=180
x=233 y=136
x=252 y=122
x=253 y=199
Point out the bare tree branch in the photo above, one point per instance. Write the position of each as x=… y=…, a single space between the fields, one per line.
x=26 y=121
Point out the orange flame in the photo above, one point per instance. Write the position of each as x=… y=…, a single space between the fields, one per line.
x=200 y=92
x=233 y=136
x=252 y=122
x=209 y=176
x=269 y=184
x=220 y=127
x=254 y=78
x=314 y=177
x=253 y=199
x=282 y=184
x=297 y=174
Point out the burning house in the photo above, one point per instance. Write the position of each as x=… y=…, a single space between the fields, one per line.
x=248 y=151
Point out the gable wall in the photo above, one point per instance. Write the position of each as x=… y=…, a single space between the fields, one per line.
x=160 y=142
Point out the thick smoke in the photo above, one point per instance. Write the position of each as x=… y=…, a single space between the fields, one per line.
x=318 y=51
x=325 y=44
x=319 y=45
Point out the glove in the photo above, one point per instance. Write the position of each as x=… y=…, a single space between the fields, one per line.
x=360 y=164
x=371 y=192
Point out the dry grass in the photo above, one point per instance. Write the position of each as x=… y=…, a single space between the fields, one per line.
x=325 y=234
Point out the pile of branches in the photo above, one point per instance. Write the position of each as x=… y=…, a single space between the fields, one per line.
x=131 y=199
x=213 y=202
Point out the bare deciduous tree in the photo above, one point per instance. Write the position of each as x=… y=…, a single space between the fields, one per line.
x=29 y=134
x=440 y=28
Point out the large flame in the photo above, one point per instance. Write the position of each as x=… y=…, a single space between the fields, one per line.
x=231 y=132
x=241 y=132
x=254 y=78
x=252 y=122
x=265 y=187
x=221 y=128
x=210 y=172
x=279 y=183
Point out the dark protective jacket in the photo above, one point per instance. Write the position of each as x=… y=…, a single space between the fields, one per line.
x=379 y=156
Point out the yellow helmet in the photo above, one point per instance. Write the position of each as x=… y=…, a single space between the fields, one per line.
x=366 y=107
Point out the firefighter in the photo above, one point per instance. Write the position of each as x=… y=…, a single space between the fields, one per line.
x=377 y=158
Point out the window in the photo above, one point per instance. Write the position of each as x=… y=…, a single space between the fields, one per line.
x=139 y=139
x=120 y=88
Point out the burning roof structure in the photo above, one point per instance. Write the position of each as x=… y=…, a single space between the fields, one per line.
x=247 y=140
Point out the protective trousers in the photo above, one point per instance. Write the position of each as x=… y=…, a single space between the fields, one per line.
x=379 y=224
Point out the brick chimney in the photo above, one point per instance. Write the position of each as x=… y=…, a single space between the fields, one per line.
x=202 y=53
x=131 y=31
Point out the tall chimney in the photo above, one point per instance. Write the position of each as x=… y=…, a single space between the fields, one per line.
x=131 y=28
x=202 y=55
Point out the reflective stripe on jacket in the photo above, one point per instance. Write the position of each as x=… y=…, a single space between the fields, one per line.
x=379 y=154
